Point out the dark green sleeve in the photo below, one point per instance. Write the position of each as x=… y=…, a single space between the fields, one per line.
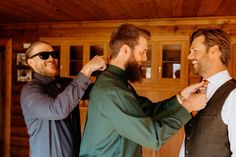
x=154 y=109
x=122 y=108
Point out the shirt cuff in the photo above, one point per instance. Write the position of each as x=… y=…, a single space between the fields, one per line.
x=183 y=115
x=82 y=80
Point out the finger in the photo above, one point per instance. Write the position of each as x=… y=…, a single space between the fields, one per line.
x=197 y=86
x=103 y=68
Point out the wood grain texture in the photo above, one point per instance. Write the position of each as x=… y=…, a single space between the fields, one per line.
x=39 y=11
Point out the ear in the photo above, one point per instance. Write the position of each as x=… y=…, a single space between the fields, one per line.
x=125 y=49
x=214 y=50
x=30 y=62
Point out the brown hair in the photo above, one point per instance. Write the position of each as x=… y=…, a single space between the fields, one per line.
x=32 y=46
x=216 y=37
x=126 y=34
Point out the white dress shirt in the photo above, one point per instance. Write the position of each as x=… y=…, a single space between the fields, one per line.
x=228 y=112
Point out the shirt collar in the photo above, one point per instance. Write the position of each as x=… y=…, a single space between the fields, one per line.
x=42 y=78
x=219 y=79
x=118 y=72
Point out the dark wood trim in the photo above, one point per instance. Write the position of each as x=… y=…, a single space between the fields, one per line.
x=218 y=20
x=7 y=97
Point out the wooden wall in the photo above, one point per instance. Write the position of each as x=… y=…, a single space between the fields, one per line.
x=27 y=33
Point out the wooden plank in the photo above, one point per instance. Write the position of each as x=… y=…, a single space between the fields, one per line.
x=227 y=7
x=19 y=152
x=17 y=121
x=130 y=10
x=7 y=96
x=209 y=7
x=16 y=110
x=14 y=10
x=18 y=86
x=191 y=8
x=20 y=142
x=19 y=132
x=16 y=99
x=177 y=8
x=227 y=20
x=164 y=8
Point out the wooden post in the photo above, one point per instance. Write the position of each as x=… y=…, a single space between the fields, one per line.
x=7 y=97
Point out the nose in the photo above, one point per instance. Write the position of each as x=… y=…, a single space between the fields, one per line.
x=144 y=56
x=50 y=57
x=190 y=56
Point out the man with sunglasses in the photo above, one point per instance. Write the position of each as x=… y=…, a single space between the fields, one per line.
x=49 y=103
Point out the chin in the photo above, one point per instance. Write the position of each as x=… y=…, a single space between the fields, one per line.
x=53 y=74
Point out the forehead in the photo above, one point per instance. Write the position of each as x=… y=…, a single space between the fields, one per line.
x=142 y=41
x=42 y=47
x=198 y=41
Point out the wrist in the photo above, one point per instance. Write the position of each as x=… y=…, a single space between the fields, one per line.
x=187 y=106
x=86 y=72
x=180 y=97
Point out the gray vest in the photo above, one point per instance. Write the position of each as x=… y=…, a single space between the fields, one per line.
x=206 y=133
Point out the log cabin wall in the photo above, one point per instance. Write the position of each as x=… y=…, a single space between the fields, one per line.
x=27 y=33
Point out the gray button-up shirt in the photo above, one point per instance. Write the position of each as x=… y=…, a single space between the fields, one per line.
x=48 y=118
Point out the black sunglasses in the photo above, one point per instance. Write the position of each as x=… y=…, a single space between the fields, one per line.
x=45 y=55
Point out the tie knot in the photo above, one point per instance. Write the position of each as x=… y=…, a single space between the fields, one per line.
x=205 y=82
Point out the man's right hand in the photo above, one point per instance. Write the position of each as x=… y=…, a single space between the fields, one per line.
x=96 y=63
x=195 y=102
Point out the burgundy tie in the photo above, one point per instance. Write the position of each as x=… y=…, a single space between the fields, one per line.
x=205 y=84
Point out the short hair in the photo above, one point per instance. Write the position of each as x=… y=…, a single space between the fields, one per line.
x=216 y=37
x=126 y=34
x=32 y=46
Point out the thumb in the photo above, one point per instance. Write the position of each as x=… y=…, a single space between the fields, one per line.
x=196 y=86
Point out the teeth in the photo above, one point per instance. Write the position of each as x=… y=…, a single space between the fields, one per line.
x=194 y=62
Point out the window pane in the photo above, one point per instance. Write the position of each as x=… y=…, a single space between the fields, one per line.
x=76 y=59
x=171 y=61
x=146 y=66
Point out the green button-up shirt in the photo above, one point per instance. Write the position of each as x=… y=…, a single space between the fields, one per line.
x=119 y=120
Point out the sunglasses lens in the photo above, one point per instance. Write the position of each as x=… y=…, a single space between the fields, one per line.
x=44 y=55
x=55 y=54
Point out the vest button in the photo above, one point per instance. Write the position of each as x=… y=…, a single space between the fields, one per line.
x=187 y=152
x=190 y=124
x=188 y=138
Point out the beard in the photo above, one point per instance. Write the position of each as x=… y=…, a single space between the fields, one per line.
x=134 y=71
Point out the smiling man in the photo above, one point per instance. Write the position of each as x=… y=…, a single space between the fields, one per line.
x=119 y=120
x=212 y=132
x=49 y=103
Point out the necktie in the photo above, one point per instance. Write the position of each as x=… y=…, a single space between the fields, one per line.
x=205 y=84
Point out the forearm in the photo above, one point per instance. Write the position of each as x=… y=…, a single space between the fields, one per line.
x=35 y=103
x=133 y=124
x=168 y=106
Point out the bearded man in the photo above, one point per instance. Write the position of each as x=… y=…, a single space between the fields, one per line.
x=119 y=121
